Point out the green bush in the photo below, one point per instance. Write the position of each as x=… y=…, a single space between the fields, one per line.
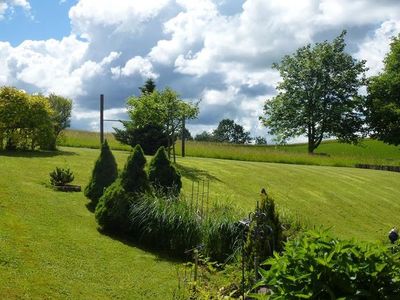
x=316 y=266
x=134 y=178
x=265 y=232
x=163 y=175
x=165 y=224
x=104 y=173
x=61 y=176
x=113 y=207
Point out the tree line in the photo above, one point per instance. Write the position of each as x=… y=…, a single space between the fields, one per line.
x=31 y=121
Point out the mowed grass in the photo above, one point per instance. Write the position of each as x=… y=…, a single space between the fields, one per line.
x=330 y=153
x=49 y=245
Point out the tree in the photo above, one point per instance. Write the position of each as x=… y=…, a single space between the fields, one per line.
x=61 y=116
x=204 y=137
x=186 y=133
x=163 y=175
x=383 y=101
x=259 y=140
x=133 y=177
x=148 y=87
x=318 y=95
x=230 y=132
x=104 y=173
x=164 y=108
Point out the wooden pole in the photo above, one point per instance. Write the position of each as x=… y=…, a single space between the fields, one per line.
x=183 y=137
x=101 y=119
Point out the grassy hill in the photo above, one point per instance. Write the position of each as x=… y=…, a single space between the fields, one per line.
x=330 y=153
x=50 y=248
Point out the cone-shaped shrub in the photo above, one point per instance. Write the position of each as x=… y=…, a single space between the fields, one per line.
x=113 y=208
x=134 y=178
x=163 y=175
x=104 y=173
x=112 y=211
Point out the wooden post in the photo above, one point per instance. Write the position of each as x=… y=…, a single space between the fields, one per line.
x=183 y=137
x=101 y=119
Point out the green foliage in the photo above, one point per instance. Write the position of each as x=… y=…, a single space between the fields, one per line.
x=221 y=234
x=230 y=132
x=112 y=210
x=383 y=102
x=60 y=176
x=148 y=87
x=265 y=232
x=133 y=177
x=163 y=175
x=318 y=96
x=316 y=266
x=204 y=137
x=61 y=114
x=150 y=137
x=104 y=174
x=165 y=224
x=259 y=140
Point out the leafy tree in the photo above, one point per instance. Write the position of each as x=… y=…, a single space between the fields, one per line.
x=383 y=101
x=61 y=115
x=230 y=132
x=164 y=108
x=204 y=137
x=318 y=96
x=150 y=137
x=260 y=140
x=163 y=175
x=104 y=174
x=186 y=134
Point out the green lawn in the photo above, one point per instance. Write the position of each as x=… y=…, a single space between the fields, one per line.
x=50 y=248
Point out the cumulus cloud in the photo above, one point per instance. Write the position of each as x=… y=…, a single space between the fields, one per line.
x=215 y=50
x=8 y=7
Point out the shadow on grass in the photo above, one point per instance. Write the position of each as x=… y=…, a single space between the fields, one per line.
x=196 y=174
x=36 y=153
x=160 y=255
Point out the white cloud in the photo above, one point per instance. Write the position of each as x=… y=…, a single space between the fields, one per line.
x=8 y=7
x=136 y=65
x=374 y=48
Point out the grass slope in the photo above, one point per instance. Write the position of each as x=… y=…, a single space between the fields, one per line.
x=50 y=248
x=335 y=154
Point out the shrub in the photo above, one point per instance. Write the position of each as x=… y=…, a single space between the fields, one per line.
x=316 y=266
x=113 y=207
x=163 y=175
x=104 y=173
x=165 y=224
x=134 y=178
x=265 y=232
x=61 y=176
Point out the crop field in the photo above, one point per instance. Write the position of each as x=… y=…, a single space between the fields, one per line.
x=49 y=245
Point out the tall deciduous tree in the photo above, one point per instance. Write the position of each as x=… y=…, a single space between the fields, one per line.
x=164 y=108
x=230 y=132
x=61 y=116
x=318 y=95
x=383 y=101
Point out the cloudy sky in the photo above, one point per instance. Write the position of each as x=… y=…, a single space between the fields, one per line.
x=220 y=51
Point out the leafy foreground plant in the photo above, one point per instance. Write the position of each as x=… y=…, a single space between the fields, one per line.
x=316 y=266
x=61 y=177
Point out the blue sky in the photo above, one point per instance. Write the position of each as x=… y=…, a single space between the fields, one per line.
x=219 y=51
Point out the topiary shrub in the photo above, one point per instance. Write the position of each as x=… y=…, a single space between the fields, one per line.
x=163 y=175
x=60 y=177
x=317 y=266
x=104 y=174
x=112 y=209
x=134 y=178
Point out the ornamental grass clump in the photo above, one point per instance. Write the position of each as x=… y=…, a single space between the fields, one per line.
x=103 y=175
x=112 y=211
x=163 y=175
x=61 y=177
